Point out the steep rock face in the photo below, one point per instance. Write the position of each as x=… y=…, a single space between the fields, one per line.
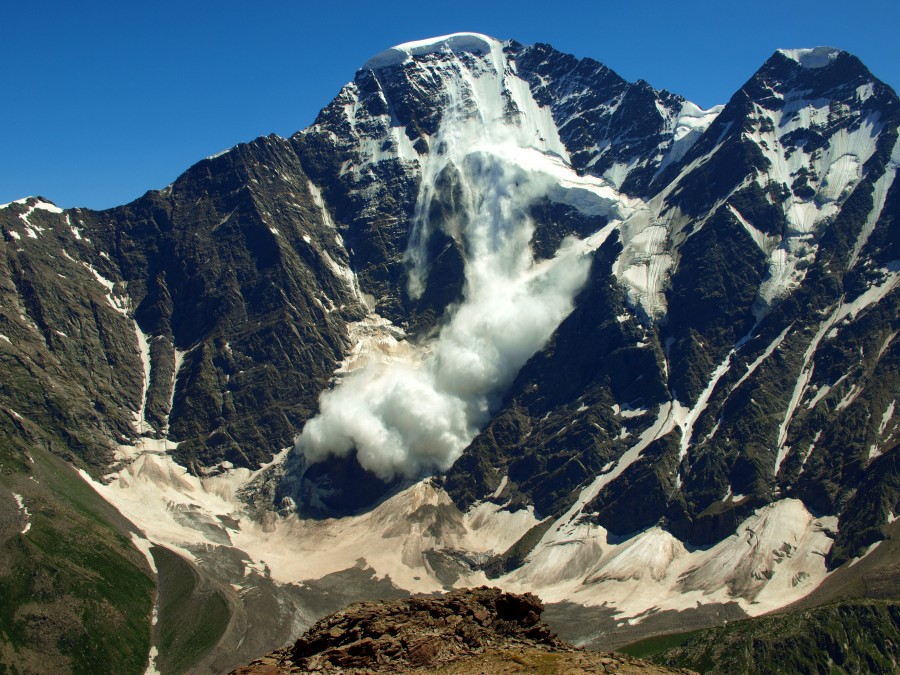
x=236 y=273
x=625 y=132
x=761 y=283
x=217 y=308
x=70 y=356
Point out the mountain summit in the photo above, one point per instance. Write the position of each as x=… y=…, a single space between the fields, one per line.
x=498 y=314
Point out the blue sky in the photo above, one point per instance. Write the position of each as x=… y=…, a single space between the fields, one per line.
x=105 y=100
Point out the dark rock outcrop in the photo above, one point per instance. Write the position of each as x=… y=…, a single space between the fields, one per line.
x=434 y=634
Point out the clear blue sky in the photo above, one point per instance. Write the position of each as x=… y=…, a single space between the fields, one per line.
x=105 y=100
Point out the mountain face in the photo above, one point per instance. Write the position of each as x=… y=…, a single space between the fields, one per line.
x=497 y=314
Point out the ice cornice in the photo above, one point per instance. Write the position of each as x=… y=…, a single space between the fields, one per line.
x=817 y=57
x=473 y=43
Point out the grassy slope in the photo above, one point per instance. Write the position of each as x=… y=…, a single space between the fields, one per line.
x=652 y=646
x=852 y=636
x=75 y=595
x=193 y=615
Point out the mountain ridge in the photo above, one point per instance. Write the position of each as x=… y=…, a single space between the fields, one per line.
x=716 y=377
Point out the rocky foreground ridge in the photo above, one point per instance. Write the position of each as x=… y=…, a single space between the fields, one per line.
x=480 y=630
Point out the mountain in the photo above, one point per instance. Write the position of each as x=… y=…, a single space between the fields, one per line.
x=498 y=314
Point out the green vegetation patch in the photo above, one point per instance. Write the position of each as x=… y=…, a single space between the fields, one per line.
x=651 y=646
x=193 y=616
x=860 y=636
x=75 y=595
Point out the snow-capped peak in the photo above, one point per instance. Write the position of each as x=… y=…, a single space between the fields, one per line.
x=474 y=43
x=817 y=57
x=35 y=203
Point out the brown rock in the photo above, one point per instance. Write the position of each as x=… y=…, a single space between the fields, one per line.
x=478 y=630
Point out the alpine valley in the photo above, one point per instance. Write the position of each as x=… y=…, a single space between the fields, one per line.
x=498 y=317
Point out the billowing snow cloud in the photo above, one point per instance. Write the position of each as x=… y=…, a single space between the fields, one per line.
x=414 y=414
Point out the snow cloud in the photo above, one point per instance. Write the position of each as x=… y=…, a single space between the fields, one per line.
x=413 y=415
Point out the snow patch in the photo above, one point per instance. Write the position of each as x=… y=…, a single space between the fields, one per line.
x=144 y=546
x=120 y=303
x=689 y=125
x=38 y=204
x=500 y=488
x=817 y=57
x=20 y=501
x=144 y=352
x=879 y=195
x=886 y=417
x=776 y=557
x=473 y=43
x=762 y=357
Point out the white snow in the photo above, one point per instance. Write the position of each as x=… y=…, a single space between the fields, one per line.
x=644 y=263
x=154 y=653
x=38 y=204
x=769 y=350
x=882 y=185
x=153 y=492
x=32 y=230
x=780 y=541
x=766 y=243
x=120 y=303
x=809 y=450
x=500 y=487
x=3 y=337
x=817 y=57
x=835 y=171
x=179 y=360
x=474 y=43
x=144 y=352
x=144 y=545
x=823 y=391
x=869 y=549
x=843 y=310
x=776 y=557
x=24 y=510
x=806 y=372
x=686 y=417
x=849 y=397
x=665 y=422
x=690 y=123
x=886 y=417
x=417 y=411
